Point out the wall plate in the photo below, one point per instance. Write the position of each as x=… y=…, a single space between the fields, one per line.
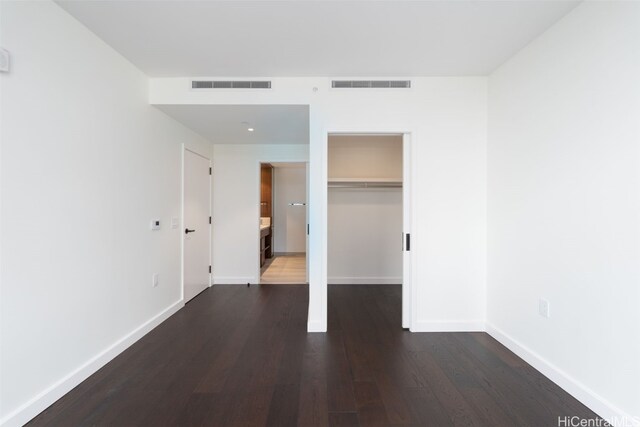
x=4 y=60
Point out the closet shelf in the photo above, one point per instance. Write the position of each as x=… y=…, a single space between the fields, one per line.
x=364 y=183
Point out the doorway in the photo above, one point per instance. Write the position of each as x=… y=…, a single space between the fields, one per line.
x=196 y=224
x=283 y=223
x=368 y=213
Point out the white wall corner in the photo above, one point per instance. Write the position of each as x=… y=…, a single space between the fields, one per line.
x=605 y=409
x=24 y=413
x=317 y=326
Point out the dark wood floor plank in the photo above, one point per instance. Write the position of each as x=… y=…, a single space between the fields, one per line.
x=503 y=353
x=290 y=369
x=174 y=390
x=339 y=378
x=360 y=343
x=238 y=356
x=459 y=410
x=171 y=385
x=371 y=410
x=225 y=358
x=533 y=407
x=539 y=381
x=248 y=408
x=396 y=407
x=343 y=419
x=283 y=410
x=471 y=388
x=196 y=411
x=97 y=395
x=256 y=364
x=426 y=408
x=152 y=397
x=127 y=391
x=313 y=409
x=492 y=386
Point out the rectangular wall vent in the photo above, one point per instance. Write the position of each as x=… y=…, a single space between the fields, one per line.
x=230 y=84
x=385 y=84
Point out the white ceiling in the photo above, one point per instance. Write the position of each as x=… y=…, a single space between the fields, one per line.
x=317 y=38
x=223 y=124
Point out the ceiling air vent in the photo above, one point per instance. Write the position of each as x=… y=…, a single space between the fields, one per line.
x=385 y=84
x=230 y=84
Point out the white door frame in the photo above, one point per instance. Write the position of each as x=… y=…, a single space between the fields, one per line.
x=408 y=170
x=306 y=166
x=182 y=222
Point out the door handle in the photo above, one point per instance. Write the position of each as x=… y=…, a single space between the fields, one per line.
x=187 y=231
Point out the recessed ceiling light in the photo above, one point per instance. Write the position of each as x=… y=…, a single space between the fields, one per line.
x=250 y=129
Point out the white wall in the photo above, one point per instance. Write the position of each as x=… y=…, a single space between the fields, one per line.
x=289 y=222
x=365 y=156
x=86 y=164
x=365 y=236
x=236 y=206
x=564 y=204
x=447 y=119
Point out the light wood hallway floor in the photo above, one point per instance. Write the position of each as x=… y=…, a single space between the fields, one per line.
x=285 y=270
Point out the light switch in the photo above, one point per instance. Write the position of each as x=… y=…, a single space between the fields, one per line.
x=543 y=308
x=174 y=222
x=155 y=224
x=4 y=60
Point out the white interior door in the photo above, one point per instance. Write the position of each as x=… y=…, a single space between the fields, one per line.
x=406 y=231
x=197 y=204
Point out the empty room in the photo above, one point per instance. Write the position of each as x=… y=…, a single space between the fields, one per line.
x=320 y=213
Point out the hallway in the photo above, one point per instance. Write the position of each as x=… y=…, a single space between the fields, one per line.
x=285 y=270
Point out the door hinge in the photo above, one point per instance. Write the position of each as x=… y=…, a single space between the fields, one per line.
x=209 y=220
x=209 y=171
x=408 y=242
x=209 y=269
x=307 y=229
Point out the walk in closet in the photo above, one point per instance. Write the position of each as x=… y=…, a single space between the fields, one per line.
x=365 y=209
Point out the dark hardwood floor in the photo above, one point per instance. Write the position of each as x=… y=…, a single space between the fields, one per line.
x=238 y=356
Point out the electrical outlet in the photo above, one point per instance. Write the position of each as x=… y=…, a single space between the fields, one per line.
x=174 y=222
x=543 y=308
x=154 y=279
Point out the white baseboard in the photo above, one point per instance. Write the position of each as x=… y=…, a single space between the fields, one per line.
x=336 y=280
x=316 y=326
x=44 y=399
x=614 y=415
x=444 y=326
x=234 y=280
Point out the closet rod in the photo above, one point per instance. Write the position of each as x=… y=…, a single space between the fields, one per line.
x=365 y=185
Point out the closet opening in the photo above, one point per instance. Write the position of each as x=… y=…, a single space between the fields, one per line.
x=283 y=223
x=368 y=218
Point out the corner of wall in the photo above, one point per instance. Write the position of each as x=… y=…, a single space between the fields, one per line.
x=24 y=413
x=316 y=326
x=601 y=406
